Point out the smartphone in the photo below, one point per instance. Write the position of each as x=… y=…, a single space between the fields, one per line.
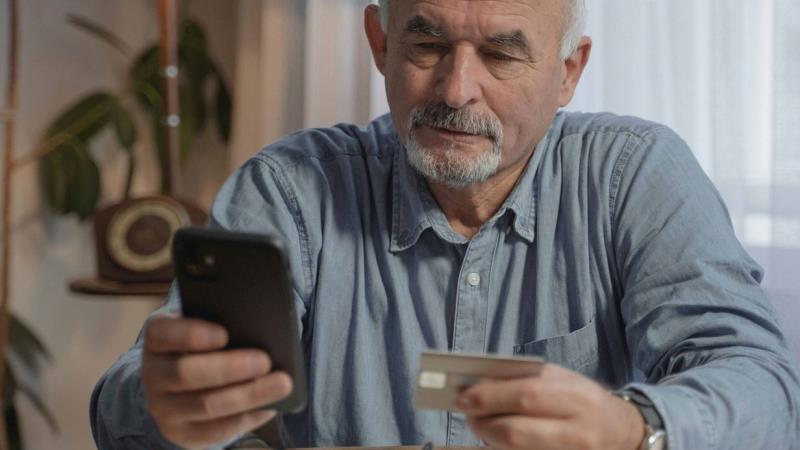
x=242 y=282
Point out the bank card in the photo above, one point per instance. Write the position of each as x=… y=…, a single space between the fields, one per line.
x=442 y=375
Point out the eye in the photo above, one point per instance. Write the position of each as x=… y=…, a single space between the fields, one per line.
x=500 y=57
x=430 y=46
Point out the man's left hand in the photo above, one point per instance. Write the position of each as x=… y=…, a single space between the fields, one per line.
x=558 y=410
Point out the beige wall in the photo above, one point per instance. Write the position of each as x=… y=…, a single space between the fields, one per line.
x=58 y=65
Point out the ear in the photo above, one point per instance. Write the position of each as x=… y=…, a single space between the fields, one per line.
x=573 y=69
x=376 y=36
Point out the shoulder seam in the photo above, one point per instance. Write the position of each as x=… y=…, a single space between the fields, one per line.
x=620 y=166
x=302 y=230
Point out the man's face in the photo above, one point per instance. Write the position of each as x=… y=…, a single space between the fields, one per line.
x=473 y=85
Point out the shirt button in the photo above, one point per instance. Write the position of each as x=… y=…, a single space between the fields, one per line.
x=473 y=279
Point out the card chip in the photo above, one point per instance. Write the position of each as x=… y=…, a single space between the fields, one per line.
x=432 y=380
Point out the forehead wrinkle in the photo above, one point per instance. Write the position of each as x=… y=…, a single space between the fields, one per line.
x=475 y=16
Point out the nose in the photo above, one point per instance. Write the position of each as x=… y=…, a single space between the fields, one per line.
x=458 y=83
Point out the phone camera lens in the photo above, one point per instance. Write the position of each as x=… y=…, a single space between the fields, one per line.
x=193 y=270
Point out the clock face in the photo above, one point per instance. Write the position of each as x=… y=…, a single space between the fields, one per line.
x=140 y=234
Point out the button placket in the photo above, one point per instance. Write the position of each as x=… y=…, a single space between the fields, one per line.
x=470 y=316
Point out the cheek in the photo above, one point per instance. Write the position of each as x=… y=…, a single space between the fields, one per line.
x=406 y=88
x=526 y=111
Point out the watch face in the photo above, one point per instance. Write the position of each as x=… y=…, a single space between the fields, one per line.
x=656 y=440
x=139 y=235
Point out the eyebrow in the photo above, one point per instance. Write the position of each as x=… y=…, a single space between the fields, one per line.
x=514 y=40
x=421 y=25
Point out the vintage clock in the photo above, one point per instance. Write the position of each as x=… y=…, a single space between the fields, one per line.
x=133 y=245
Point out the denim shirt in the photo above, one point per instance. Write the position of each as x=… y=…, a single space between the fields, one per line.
x=613 y=256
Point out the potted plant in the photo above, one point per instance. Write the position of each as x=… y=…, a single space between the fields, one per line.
x=70 y=175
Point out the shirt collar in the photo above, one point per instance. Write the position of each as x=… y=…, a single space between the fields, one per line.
x=414 y=209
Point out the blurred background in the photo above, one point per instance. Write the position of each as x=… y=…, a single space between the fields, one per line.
x=723 y=73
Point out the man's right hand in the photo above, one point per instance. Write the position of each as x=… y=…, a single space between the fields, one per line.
x=200 y=394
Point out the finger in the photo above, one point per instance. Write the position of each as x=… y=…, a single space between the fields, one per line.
x=205 y=434
x=517 y=432
x=224 y=402
x=165 y=334
x=542 y=396
x=196 y=371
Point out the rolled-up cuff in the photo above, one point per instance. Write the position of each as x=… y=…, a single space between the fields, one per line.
x=687 y=422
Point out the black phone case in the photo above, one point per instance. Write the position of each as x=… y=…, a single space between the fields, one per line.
x=242 y=282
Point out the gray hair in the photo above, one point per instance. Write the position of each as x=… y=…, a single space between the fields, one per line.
x=572 y=34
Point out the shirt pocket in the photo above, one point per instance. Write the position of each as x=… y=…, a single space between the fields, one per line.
x=576 y=350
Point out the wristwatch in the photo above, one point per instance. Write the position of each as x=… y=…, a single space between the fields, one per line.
x=655 y=437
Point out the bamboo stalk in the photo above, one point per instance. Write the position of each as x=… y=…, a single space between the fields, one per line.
x=170 y=176
x=5 y=213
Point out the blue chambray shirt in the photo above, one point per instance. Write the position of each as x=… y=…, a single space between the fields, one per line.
x=613 y=256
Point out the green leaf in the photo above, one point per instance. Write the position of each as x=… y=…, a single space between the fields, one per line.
x=13 y=431
x=124 y=126
x=200 y=107
x=100 y=32
x=149 y=96
x=24 y=343
x=158 y=138
x=38 y=403
x=55 y=178
x=145 y=78
x=71 y=179
x=83 y=119
x=146 y=65
x=10 y=386
x=70 y=167
x=188 y=128
x=223 y=106
x=86 y=183
x=193 y=52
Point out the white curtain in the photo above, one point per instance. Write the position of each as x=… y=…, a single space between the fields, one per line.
x=725 y=74
x=300 y=64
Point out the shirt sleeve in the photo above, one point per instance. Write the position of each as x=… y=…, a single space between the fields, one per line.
x=256 y=199
x=698 y=324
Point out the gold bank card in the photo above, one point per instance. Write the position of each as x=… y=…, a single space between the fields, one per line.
x=442 y=376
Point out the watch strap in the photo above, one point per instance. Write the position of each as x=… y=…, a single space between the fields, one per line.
x=645 y=406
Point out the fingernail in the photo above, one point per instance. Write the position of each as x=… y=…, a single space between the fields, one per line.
x=263 y=415
x=216 y=336
x=259 y=364
x=465 y=402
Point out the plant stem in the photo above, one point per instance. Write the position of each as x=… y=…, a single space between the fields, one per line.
x=53 y=142
x=168 y=15
x=129 y=178
x=5 y=213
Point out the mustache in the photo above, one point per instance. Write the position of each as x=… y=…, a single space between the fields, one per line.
x=440 y=115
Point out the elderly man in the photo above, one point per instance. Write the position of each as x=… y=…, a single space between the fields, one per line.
x=477 y=218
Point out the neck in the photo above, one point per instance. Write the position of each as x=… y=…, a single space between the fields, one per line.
x=468 y=208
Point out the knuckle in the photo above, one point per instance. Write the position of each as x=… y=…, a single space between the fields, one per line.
x=528 y=397
x=597 y=399
x=161 y=412
x=584 y=441
x=151 y=334
x=210 y=405
x=195 y=338
x=239 y=367
x=261 y=390
x=479 y=400
x=226 y=428
x=182 y=372
x=512 y=437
